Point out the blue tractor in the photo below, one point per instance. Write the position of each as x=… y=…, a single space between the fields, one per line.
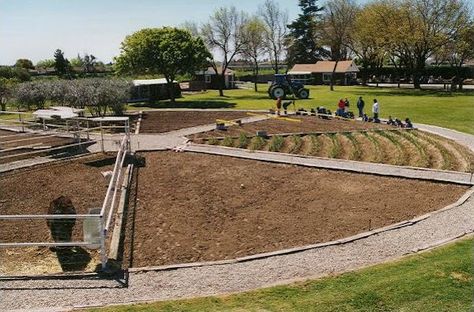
x=283 y=86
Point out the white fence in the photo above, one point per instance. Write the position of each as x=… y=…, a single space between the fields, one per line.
x=102 y=220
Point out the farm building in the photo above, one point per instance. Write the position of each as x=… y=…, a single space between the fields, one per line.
x=152 y=89
x=208 y=79
x=321 y=72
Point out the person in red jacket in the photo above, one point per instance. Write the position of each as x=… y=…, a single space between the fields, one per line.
x=340 y=107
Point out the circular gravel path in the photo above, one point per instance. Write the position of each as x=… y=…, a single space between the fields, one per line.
x=63 y=294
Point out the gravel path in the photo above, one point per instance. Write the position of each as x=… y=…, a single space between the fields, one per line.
x=63 y=294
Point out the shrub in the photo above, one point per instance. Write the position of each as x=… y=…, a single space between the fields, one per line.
x=243 y=140
x=228 y=141
x=276 y=143
x=257 y=143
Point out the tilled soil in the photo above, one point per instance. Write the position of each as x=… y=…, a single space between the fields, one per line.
x=193 y=207
x=283 y=125
x=165 y=121
x=30 y=191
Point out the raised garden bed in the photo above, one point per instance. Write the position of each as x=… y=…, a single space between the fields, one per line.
x=193 y=207
x=391 y=146
x=283 y=125
x=165 y=121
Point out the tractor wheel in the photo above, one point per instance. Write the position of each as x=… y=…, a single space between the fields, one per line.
x=277 y=92
x=303 y=93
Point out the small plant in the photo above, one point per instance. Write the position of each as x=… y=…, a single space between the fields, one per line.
x=315 y=145
x=448 y=160
x=402 y=154
x=243 y=141
x=336 y=146
x=228 y=141
x=424 y=159
x=356 y=153
x=276 y=143
x=257 y=143
x=213 y=141
x=378 y=155
x=297 y=142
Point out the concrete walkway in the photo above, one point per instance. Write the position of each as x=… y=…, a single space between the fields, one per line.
x=204 y=279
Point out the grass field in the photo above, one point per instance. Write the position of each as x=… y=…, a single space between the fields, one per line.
x=440 y=280
x=440 y=108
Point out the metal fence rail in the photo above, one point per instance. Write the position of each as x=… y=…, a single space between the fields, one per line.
x=104 y=217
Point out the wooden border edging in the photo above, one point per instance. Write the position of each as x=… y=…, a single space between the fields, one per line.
x=288 y=251
x=118 y=227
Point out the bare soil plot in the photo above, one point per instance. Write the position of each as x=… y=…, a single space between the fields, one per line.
x=281 y=125
x=30 y=191
x=193 y=207
x=403 y=148
x=164 y=121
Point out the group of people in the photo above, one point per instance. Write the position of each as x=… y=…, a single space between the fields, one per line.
x=398 y=123
x=343 y=109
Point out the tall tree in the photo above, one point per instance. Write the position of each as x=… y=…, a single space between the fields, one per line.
x=338 y=22
x=303 y=40
x=254 y=46
x=369 y=48
x=61 y=64
x=459 y=50
x=166 y=51
x=224 y=34
x=276 y=30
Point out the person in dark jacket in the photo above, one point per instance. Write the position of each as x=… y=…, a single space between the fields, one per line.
x=360 y=106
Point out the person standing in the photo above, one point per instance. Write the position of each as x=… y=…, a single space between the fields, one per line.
x=278 y=105
x=340 y=108
x=360 y=106
x=375 y=110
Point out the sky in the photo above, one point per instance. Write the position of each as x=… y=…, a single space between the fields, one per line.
x=34 y=29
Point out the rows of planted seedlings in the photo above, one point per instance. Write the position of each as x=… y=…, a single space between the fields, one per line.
x=397 y=147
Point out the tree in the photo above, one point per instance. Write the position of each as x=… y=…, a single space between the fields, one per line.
x=44 y=64
x=6 y=88
x=364 y=41
x=276 y=30
x=418 y=28
x=303 y=40
x=61 y=64
x=459 y=50
x=24 y=63
x=338 y=20
x=224 y=33
x=254 y=44
x=167 y=51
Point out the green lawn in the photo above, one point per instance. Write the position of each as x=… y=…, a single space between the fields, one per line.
x=440 y=280
x=454 y=111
